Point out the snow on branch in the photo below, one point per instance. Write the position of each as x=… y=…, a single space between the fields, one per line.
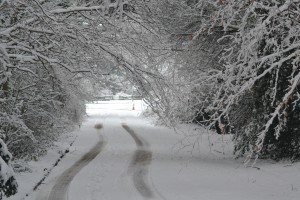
x=278 y=112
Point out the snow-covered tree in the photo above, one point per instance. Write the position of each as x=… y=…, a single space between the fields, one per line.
x=244 y=72
x=46 y=49
x=266 y=69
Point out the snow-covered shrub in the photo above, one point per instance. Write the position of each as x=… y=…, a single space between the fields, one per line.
x=8 y=184
x=282 y=138
x=266 y=66
x=260 y=88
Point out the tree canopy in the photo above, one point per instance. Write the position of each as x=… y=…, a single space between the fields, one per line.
x=233 y=62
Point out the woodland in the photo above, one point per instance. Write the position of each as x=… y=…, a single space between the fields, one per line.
x=228 y=65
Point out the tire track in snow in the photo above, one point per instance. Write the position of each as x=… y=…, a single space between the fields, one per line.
x=60 y=188
x=138 y=167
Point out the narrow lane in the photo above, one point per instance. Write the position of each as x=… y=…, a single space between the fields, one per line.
x=144 y=161
x=138 y=167
x=60 y=188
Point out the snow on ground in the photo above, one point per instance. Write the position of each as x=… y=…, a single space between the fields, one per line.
x=167 y=168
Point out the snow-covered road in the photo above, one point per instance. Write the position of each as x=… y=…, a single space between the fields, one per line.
x=138 y=167
x=60 y=189
x=120 y=155
x=121 y=170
